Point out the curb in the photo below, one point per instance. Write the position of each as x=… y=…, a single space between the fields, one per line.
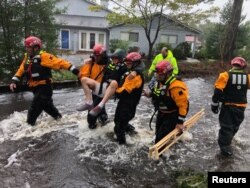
x=56 y=85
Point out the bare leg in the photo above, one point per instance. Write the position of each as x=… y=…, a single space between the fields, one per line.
x=88 y=85
x=110 y=91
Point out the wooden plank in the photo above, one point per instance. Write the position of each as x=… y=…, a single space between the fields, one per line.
x=165 y=143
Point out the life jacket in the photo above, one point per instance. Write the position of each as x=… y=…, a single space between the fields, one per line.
x=114 y=72
x=236 y=88
x=161 y=97
x=34 y=70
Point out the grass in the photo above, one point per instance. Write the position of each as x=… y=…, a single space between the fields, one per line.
x=190 y=179
x=62 y=75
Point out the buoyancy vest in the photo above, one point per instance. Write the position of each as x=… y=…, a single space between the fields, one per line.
x=236 y=88
x=114 y=72
x=34 y=70
x=161 y=96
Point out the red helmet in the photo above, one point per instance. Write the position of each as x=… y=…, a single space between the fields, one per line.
x=98 y=49
x=163 y=67
x=32 y=41
x=239 y=62
x=133 y=57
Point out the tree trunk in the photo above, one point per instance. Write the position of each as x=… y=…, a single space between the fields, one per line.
x=232 y=30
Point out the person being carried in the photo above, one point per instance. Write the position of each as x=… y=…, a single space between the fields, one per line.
x=93 y=70
x=113 y=77
x=36 y=66
x=170 y=99
x=230 y=90
x=129 y=92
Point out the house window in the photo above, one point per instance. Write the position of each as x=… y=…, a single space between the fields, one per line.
x=130 y=36
x=170 y=39
x=64 y=39
x=92 y=40
x=83 y=40
x=89 y=38
x=101 y=38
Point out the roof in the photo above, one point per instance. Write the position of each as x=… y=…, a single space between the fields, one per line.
x=181 y=23
x=172 y=19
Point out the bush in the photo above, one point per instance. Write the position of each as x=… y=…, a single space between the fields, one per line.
x=62 y=75
x=201 y=54
x=133 y=49
x=116 y=43
x=178 y=54
x=182 y=51
x=159 y=46
x=244 y=53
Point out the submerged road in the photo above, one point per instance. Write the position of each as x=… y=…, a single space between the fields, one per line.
x=66 y=153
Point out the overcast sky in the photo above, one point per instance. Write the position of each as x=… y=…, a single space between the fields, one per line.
x=221 y=4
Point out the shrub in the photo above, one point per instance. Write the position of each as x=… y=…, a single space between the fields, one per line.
x=116 y=43
x=201 y=54
x=182 y=50
x=159 y=46
x=62 y=75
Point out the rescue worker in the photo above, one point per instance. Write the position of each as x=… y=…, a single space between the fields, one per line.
x=36 y=66
x=170 y=99
x=112 y=76
x=167 y=55
x=230 y=90
x=93 y=69
x=129 y=93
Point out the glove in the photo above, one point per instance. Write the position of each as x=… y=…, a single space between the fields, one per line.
x=75 y=71
x=215 y=108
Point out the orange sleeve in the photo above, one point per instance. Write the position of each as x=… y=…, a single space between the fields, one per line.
x=20 y=70
x=129 y=85
x=221 y=81
x=180 y=94
x=53 y=62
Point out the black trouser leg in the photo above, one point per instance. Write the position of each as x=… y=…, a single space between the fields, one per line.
x=49 y=108
x=123 y=114
x=120 y=133
x=92 y=119
x=46 y=100
x=165 y=123
x=230 y=119
x=42 y=101
x=34 y=111
x=35 y=108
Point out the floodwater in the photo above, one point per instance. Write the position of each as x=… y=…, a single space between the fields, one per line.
x=65 y=153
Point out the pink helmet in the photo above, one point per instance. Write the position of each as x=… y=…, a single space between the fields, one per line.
x=133 y=57
x=32 y=41
x=163 y=67
x=239 y=62
x=98 y=49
